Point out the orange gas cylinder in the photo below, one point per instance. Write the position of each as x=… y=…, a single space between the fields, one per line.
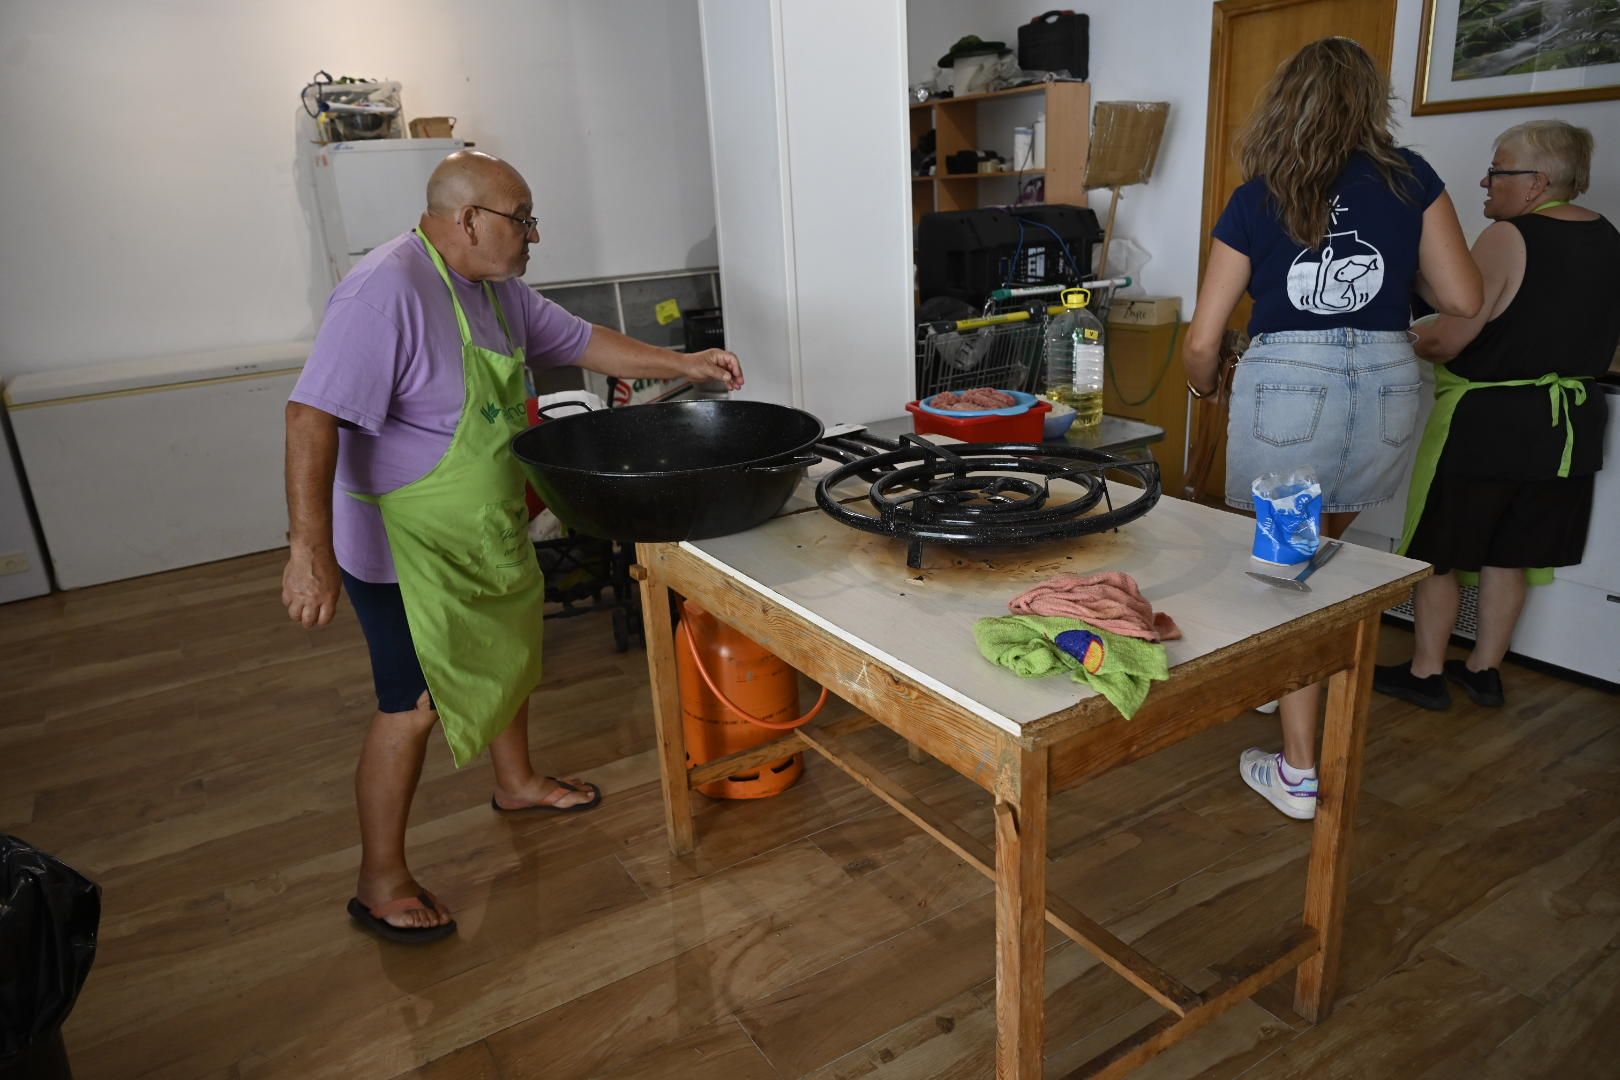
x=755 y=681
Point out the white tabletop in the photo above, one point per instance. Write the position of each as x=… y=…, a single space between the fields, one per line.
x=1188 y=560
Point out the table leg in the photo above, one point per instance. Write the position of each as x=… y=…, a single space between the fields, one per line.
x=1020 y=913
x=1344 y=736
x=666 y=701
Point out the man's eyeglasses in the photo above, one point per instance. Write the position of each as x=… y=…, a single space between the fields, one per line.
x=1492 y=173
x=529 y=224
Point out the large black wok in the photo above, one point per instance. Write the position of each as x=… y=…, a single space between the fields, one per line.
x=675 y=470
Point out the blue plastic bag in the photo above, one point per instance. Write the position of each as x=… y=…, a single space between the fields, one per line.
x=1287 y=516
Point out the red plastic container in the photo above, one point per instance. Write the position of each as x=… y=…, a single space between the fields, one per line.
x=1025 y=427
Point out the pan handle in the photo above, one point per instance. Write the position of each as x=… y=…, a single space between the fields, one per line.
x=544 y=411
x=786 y=466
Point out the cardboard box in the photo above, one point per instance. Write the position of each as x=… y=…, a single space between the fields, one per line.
x=432 y=127
x=1145 y=310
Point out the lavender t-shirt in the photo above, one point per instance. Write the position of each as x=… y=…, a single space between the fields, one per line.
x=387 y=363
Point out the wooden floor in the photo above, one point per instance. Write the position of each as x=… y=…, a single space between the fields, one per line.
x=179 y=741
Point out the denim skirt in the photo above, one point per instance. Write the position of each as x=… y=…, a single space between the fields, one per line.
x=1344 y=402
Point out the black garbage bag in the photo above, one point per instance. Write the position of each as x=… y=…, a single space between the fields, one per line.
x=49 y=914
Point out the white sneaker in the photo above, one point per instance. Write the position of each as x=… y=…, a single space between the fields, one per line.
x=1268 y=708
x=1262 y=771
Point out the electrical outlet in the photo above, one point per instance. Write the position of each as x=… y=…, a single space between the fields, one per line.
x=13 y=562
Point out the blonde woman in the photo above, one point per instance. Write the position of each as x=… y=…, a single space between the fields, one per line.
x=1332 y=232
x=1497 y=489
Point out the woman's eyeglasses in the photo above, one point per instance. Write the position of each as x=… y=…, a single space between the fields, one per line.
x=1492 y=173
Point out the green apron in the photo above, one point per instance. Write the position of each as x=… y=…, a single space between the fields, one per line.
x=1449 y=387
x=474 y=595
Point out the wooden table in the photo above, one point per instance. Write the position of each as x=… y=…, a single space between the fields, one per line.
x=842 y=607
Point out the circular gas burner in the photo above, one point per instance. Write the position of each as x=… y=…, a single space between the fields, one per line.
x=988 y=493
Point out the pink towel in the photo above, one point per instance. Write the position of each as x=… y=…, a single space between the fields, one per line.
x=1110 y=601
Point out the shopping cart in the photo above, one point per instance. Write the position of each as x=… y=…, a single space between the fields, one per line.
x=1003 y=349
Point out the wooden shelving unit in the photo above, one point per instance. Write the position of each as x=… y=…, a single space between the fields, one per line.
x=956 y=123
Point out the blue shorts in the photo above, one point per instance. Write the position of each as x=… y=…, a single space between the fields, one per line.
x=1345 y=402
x=395 y=670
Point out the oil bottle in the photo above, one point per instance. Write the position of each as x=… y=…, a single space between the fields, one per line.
x=1074 y=359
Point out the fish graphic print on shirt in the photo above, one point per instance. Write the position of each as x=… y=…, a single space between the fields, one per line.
x=1343 y=275
x=1362 y=272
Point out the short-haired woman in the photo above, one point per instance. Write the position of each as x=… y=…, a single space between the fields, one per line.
x=1332 y=232
x=1502 y=485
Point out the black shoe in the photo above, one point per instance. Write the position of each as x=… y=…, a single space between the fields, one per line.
x=1397 y=680
x=1484 y=687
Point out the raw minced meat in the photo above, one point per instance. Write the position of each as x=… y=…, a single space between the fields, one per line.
x=980 y=397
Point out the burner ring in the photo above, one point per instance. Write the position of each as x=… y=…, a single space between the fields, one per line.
x=941 y=493
x=971 y=495
x=961 y=464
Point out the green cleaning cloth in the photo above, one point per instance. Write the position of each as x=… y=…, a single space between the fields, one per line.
x=1119 y=668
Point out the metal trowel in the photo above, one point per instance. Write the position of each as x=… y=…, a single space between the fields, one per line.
x=1325 y=551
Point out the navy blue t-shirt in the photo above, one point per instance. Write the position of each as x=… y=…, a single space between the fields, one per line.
x=1361 y=276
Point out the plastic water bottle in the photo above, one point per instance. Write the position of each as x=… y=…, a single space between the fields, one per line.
x=1074 y=359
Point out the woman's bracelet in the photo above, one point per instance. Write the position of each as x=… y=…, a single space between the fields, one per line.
x=1195 y=392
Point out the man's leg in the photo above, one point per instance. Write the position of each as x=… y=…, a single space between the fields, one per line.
x=1434 y=615
x=516 y=784
x=384 y=783
x=1501 y=599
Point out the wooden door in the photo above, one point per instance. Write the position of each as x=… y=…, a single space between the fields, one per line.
x=1250 y=39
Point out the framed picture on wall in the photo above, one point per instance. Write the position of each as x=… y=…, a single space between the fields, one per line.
x=1508 y=54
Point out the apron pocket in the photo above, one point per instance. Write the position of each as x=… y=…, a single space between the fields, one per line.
x=1287 y=415
x=503 y=533
x=1398 y=412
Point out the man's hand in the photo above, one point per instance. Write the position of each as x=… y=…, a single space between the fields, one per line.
x=612 y=353
x=715 y=365
x=310 y=586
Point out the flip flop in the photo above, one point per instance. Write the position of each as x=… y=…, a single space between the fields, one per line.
x=577 y=808
x=375 y=919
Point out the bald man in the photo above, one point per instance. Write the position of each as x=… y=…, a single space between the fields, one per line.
x=401 y=493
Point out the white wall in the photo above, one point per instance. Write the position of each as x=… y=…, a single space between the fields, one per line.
x=807 y=103
x=1159 y=50
x=849 y=166
x=153 y=198
x=748 y=141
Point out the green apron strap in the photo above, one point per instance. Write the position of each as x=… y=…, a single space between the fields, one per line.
x=1557 y=387
x=1548 y=205
x=438 y=263
x=1448 y=390
x=501 y=315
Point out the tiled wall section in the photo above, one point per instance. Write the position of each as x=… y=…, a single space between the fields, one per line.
x=630 y=306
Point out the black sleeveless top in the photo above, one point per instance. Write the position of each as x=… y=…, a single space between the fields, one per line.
x=1565 y=318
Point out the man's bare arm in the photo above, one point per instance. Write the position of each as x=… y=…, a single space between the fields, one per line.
x=311 y=581
x=612 y=353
